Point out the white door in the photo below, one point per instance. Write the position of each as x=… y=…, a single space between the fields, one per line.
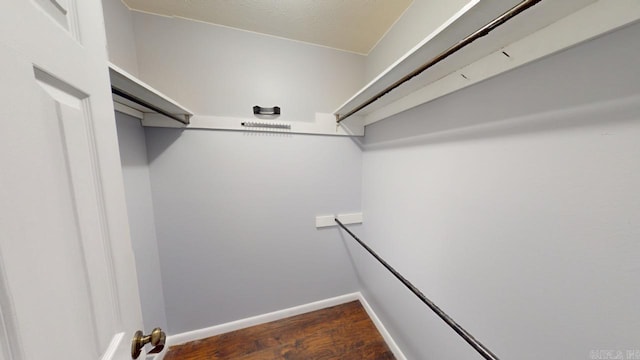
x=68 y=287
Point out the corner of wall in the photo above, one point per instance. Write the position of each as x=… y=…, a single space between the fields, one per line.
x=120 y=35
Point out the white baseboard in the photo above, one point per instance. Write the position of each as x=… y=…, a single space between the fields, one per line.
x=279 y=315
x=395 y=349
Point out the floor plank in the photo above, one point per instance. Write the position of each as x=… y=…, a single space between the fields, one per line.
x=340 y=332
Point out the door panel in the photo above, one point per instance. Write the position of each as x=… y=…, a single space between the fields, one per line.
x=67 y=277
x=60 y=11
x=41 y=246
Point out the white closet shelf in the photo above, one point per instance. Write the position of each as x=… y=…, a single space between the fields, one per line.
x=133 y=96
x=546 y=28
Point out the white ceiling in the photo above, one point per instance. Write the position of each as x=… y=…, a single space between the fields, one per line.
x=351 y=25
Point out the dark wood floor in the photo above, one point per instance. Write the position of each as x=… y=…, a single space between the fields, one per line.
x=341 y=332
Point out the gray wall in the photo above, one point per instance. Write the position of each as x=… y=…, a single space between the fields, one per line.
x=214 y=70
x=514 y=205
x=120 y=40
x=135 y=171
x=235 y=221
x=235 y=211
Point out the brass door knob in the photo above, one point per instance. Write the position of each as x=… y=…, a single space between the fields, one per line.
x=157 y=339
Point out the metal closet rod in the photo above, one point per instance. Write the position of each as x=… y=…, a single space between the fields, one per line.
x=148 y=105
x=477 y=345
x=524 y=5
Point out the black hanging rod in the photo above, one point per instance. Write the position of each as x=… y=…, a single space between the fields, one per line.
x=481 y=349
x=524 y=5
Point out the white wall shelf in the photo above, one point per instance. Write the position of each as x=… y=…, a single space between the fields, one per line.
x=322 y=124
x=546 y=28
x=148 y=100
